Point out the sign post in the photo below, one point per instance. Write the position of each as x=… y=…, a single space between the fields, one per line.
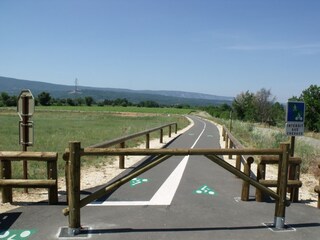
x=25 y=109
x=294 y=127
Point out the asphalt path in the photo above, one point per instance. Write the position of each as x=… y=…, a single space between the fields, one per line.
x=185 y=197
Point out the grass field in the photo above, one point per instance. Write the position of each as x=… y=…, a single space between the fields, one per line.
x=116 y=109
x=55 y=127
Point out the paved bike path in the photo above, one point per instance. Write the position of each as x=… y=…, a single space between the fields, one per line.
x=205 y=205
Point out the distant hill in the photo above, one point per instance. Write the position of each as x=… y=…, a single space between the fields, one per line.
x=14 y=86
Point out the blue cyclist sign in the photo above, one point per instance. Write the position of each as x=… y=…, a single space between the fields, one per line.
x=295 y=118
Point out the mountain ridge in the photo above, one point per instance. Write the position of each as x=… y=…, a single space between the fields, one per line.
x=14 y=86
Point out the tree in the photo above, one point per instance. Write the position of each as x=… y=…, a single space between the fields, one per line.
x=264 y=104
x=244 y=106
x=44 y=99
x=89 y=101
x=311 y=98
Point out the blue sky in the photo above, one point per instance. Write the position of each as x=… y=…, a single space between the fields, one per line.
x=219 y=47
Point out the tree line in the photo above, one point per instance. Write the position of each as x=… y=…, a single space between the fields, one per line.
x=262 y=107
x=247 y=106
x=45 y=99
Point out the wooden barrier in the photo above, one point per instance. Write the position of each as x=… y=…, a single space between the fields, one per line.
x=7 y=183
x=232 y=142
x=75 y=152
x=293 y=179
x=122 y=141
x=317 y=190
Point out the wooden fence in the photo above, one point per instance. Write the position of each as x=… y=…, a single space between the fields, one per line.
x=241 y=160
x=294 y=182
x=317 y=190
x=75 y=152
x=122 y=140
x=7 y=183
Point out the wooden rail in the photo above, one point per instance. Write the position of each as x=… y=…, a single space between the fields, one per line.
x=7 y=183
x=317 y=190
x=122 y=140
x=294 y=182
x=246 y=160
x=75 y=152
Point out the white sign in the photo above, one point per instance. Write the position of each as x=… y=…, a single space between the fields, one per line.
x=294 y=129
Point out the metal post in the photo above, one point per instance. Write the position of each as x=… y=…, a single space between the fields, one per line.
x=280 y=209
x=74 y=188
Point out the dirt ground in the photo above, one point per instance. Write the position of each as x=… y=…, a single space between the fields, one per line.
x=94 y=176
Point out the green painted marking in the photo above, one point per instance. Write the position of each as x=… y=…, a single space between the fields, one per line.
x=191 y=134
x=16 y=234
x=205 y=190
x=137 y=181
x=210 y=136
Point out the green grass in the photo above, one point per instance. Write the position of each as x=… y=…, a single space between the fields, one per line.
x=116 y=109
x=253 y=135
x=55 y=127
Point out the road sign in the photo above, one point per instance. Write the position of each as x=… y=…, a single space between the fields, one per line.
x=295 y=118
x=25 y=100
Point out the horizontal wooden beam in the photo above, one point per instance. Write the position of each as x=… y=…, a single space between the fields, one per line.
x=274 y=183
x=30 y=156
x=126 y=138
x=175 y=152
x=275 y=160
x=21 y=183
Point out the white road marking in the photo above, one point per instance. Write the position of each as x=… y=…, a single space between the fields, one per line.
x=166 y=192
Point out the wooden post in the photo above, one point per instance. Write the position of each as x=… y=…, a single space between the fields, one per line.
x=230 y=146
x=176 y=128
x=226 y=142
x=74 y=188
x=66 y=170
x=52 y=174
x=147 y=140
x=317 y=190
x=161 y=135
x=280 y=209
x=6 y=174
x=246 y=185
x=261 y=175
x=224 y=133
x=295 y=175
x=169 y=131
x=238 y=162
x=121 y=157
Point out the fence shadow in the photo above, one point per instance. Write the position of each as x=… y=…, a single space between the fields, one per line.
x=200 y=229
